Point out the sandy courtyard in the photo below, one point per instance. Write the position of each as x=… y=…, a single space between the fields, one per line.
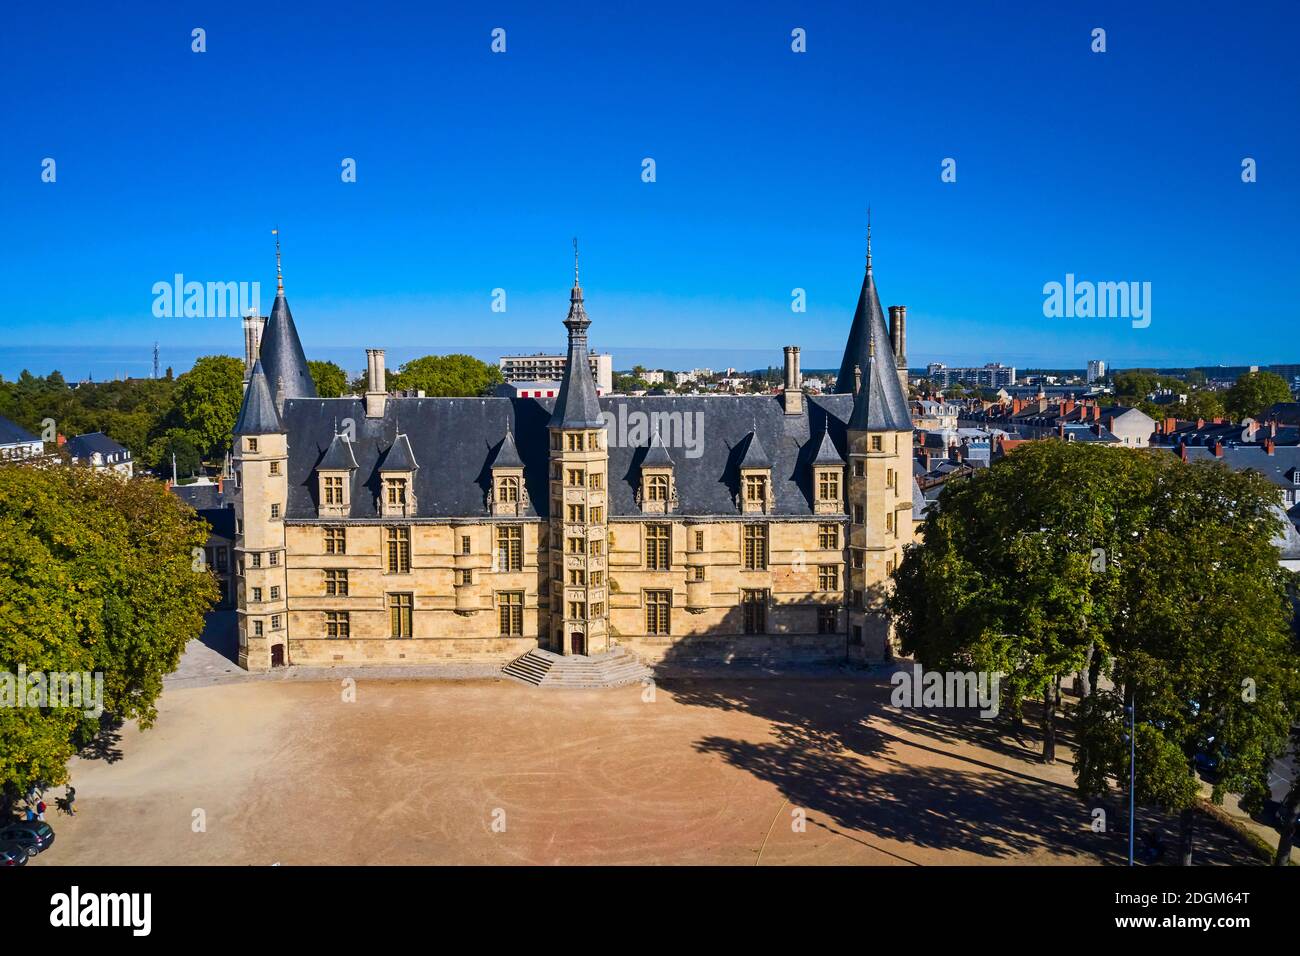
x=479 y=772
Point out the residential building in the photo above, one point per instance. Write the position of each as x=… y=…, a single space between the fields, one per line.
x=543 y=367
x=992 y=375
x=96 y=450
x=17 y=443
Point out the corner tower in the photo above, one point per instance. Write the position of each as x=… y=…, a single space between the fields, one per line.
x=261 y=463
x=280 y=351
x=880 y=472
x=579 y=514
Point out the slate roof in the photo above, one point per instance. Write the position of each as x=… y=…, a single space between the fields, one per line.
x=884 y=405
x=507 y=454
x=214 y=505
x=257 y=413
x=11 y=433
x=282 y=356
x=1281 y=467
x=82 y=447
x=1284 y=413
x=577 y=405
x=657 y=455
x=456 y=440
x=827 y=453
x=755 y=456
x=400 y=456
x=339 y=455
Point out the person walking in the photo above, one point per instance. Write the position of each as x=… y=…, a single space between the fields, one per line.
x=72 y=800
x=40 y=811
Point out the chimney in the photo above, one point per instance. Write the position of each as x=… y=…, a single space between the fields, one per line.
x=1067 y=406
x=220 y=485
x=792 y=395
x=253 y=326
x=1168 y=425
x=1017 y=406
x=1218 y=448
x=898 y=338
x=1268 y=446
x=376 y=394
x=1182 y=450
x=1200 y=423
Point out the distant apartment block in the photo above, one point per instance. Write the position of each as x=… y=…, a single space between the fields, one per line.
x=1096 y=370
x=550 y=368
x=992 y=375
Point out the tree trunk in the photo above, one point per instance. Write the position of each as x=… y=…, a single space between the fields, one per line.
x=1049 y=721
x=1094 y=670
x=1085 y=673
x=1290 y=807
x=1186 y=822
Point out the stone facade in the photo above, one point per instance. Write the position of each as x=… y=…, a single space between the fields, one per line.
x=775 y=543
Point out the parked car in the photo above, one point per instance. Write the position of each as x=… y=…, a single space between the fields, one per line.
x=33 y=836
x=11 y=854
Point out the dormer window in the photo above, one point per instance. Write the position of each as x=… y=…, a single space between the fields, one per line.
x=508 y=489
x=395 y=488
x=252 y=444
x=828 y=486
x=755 y=488
x=657 y=488
x=332 y=490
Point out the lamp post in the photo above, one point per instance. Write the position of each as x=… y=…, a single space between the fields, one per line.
x=1132 y=768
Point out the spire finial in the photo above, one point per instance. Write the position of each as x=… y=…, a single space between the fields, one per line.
x=279 y=276
x=868 y=238
x=575 y=262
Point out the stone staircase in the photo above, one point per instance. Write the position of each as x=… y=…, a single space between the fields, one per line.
x=545 y=669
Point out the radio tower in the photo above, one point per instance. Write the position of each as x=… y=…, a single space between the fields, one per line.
x=155 y=360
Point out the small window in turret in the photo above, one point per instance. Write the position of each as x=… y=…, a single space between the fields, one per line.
x=252 y=444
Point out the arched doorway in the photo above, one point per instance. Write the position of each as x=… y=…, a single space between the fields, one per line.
x=578 y=642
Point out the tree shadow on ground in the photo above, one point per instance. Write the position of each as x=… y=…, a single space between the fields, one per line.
x=105 y=745
x=835 y=749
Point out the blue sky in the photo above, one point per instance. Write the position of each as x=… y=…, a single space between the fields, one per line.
x=475 y=169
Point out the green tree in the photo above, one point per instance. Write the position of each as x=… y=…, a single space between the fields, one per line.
x=1016 y=571
x=1202 y=404
x=207 y=400
x=331 y=381
x=1205 y=647
x=99 y=576
x=447 y=375
x=1134 y=384
x=1254 y=392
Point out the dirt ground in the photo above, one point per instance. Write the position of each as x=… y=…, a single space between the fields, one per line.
x=726 y=771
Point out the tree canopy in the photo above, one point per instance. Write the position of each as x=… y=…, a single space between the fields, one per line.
x=1133 y=565
x=99 y=576
x=447 y=376
x=1254 y=392
x=330 y=379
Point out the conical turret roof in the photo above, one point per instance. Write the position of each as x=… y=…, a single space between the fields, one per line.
x=257 y=413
